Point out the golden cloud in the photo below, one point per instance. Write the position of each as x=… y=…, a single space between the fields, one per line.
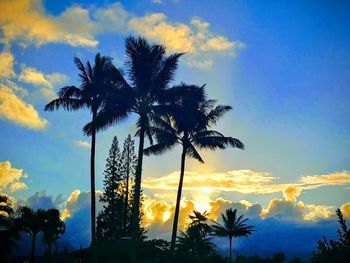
x=195 y=38
x=27 y=22
x=10 y=177
x=245 y=182
x=16 y=110
x=345 y=209
x=6 y=65
x=242 y=181
x=46 y=81
x=338 y=178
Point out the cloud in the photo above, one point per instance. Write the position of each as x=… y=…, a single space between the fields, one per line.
x=337 y=178
x=10 y=177
x=45 y=81
x=157 y=1
x=82 y=144
x=346 y=209
x=195 y=38
x=242 y=181
x=289 y=209
x=27 y=22
x=6 y=65
x=16 y=110
x=291 y=193
x=41 y=200
x=245 y=182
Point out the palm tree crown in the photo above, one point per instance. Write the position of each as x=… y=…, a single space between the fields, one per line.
x=233 y=226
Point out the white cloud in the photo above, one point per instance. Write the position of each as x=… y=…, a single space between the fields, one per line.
x=83 y=144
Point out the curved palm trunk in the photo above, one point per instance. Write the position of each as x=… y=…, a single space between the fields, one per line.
x=230 y=254
x=178 y=200
x=92 y=180
x=136 y=205
x=32 y=250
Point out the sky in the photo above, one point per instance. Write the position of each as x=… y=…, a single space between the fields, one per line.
x=282 y=66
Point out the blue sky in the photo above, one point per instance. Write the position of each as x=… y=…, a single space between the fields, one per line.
x=282 y=66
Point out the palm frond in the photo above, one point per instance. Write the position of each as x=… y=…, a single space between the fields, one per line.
x=69 y=104
x=192 y=153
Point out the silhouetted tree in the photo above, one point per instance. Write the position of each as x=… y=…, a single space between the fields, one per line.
x=9 y=232
x=113 y=221
x=199 y=220
x=233 y=226
x=53 y=228
x=110 y=218
x=95 y=84
x=150 y=71
x=334 y=250
x=186 y=121
x=195 y=243
x=128 y=169
x=31 y=222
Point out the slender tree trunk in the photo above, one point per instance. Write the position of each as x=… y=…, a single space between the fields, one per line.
x=136 y=205
x=178 y=200
x=92 y=179
x=49 y=252
x=32 y=250
x=127 y=190
x=230 y=255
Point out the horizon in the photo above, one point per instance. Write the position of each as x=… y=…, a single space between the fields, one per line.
x=283 y=67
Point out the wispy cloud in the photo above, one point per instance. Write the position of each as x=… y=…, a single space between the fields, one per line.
x=6 y=65
x=46 y=82
x=243 y=181
x=82 y=144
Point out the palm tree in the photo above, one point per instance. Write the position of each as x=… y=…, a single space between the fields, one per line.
x=195 y=243
x=186 y=121
x=149 y=71
x=31 y=222
x=200 y=220
x=53 y=229
x=95 y=84
x=233 y=226
x=9 y=232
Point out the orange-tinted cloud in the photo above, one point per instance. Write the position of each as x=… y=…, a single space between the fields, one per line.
x=195 y=38
x=16 y=110
x=10 y=177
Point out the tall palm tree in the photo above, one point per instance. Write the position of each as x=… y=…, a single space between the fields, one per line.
x=149 y=72
x=31 y=222
x=233 y=226
x=186 y=121
x=95 y=85
x=53 y=228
